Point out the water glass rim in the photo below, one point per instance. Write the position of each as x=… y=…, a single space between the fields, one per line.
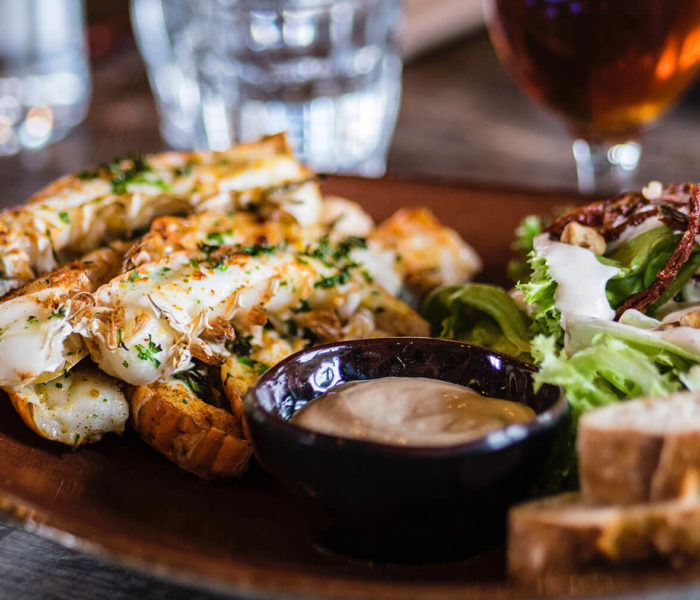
x=277 y=5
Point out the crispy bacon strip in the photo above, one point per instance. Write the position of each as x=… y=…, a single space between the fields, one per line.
x=680 y=255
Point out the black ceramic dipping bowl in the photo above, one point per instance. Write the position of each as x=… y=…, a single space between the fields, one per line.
x=402 y=503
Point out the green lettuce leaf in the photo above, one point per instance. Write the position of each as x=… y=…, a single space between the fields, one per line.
x=525 y=233
x=639 y=260
x=539 y=293
x=481 y=314
x=607 y=371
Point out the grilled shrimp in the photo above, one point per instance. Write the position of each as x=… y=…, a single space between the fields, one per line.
x=78 y=407
x=431 y=255
x=37 y=337
x=81 y=212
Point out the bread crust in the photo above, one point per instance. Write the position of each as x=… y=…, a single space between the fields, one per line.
x=202 y=439
x=563 y=534
x=617 y=466
x=626 y=457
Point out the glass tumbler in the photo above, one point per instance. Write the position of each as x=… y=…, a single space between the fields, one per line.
x=44 y=72
x=327 y=72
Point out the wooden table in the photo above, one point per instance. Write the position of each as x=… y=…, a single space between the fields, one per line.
x=462 y=118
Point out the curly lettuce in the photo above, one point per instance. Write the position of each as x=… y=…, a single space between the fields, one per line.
x=539 y=293
x=530 y=227
x=607 y=371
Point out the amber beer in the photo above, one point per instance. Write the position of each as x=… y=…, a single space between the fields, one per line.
x=608 y=67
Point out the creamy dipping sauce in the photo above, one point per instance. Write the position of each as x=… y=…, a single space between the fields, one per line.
x=409 y=411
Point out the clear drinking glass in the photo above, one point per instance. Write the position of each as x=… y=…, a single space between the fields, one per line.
x=44 y=72
x=327 y=72
x=609 y=68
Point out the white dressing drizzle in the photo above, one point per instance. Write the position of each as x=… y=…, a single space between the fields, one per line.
x=581 y=280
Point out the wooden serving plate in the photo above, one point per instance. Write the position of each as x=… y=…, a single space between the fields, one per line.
x=121 y=500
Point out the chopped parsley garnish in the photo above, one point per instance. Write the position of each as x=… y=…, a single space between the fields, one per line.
x=216 y=237
x=59 y=386
x=123 y=171
x=134 y=276
x=292 y=328
x=329 y=255
x=197 y=381
x=240 y=345
x=185 y=169
x=31 y=319
x=125 y=364
x=348 y=244
x=53 y=248
x=258 y=366
x=148 y=352
x=341 y=277
x=207 y=248
x=258 y=249
x=63 y=215
x=58 y=313
x=303 y=307
x=120 y=339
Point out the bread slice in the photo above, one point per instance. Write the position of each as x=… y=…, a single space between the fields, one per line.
x=559 y=535
x=641 y=450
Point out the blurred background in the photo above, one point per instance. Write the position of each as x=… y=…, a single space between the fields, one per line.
x=460 y=116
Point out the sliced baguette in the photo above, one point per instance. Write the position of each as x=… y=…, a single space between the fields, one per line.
x=639 y=451
x=562 y=534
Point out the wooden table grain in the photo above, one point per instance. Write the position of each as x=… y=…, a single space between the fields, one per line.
x=462 y=118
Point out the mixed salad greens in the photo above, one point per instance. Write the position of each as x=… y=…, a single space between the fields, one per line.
x=607 y=302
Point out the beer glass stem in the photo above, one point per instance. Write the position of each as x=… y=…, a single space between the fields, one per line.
x=605 y=167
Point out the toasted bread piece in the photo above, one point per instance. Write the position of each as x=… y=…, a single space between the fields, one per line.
x=562 y=534
x=639 y=451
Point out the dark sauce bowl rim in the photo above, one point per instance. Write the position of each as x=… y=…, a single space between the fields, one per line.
x=487 y=443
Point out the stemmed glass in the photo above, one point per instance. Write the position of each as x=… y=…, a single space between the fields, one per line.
x=608 y=68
